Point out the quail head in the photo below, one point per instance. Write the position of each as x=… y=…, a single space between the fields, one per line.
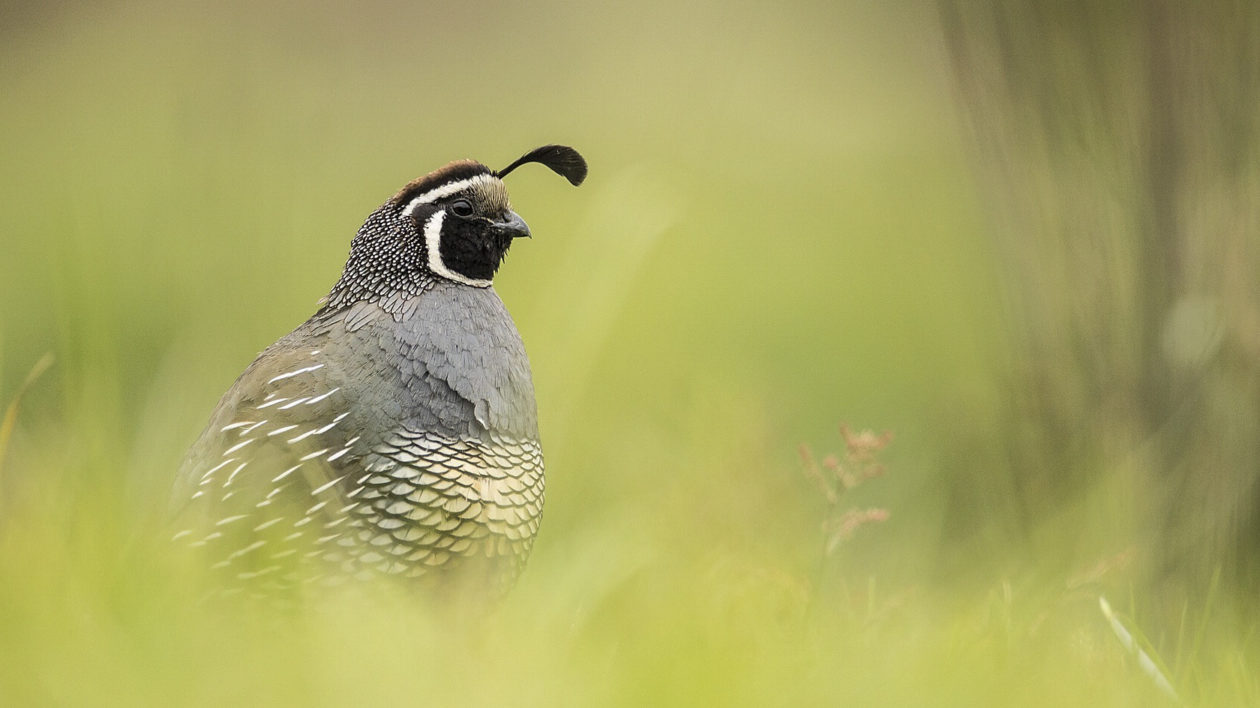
x=395 y=431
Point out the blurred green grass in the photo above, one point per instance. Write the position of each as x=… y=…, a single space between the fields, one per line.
x=780 y=232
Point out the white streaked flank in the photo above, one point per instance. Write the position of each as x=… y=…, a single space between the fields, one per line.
x=251 y=547
x=295 y=372
x=268 y=524
x=301 y=437
x=218 y=467
x=256 y=574
x=322 y=396
x=235 y=472
x=324 y=487
x=238 y=446
x=251 y=428
x=318 y=431
x=285 y=473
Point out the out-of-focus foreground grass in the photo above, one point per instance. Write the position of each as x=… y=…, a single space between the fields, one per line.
x=780 y=232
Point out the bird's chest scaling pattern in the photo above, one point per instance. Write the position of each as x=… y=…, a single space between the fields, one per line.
x=425 y=501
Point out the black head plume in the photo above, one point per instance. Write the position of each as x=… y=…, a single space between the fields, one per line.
x=562 y=159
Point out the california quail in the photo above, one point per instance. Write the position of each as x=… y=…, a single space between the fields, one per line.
x=395 y=431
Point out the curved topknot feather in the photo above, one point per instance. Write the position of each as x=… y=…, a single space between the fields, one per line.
x=562 y=159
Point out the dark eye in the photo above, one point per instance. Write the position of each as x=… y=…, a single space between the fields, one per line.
x=461 y=207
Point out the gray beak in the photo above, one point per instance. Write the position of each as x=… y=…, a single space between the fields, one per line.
x=512 y=225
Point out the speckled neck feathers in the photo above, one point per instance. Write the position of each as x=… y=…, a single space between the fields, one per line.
x=382 y=268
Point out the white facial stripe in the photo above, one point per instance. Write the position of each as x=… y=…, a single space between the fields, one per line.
x=433 y=242
x=445 y=190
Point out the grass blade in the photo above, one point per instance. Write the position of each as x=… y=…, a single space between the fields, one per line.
x=11 y=412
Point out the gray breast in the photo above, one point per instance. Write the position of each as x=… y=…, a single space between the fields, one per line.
x=450 y=362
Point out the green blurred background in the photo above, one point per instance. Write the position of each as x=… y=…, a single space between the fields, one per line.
x=1022 y=238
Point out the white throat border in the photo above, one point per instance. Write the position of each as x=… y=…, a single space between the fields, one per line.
x=433 y=243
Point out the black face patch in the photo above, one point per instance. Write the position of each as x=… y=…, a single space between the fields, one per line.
x=473 y=248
